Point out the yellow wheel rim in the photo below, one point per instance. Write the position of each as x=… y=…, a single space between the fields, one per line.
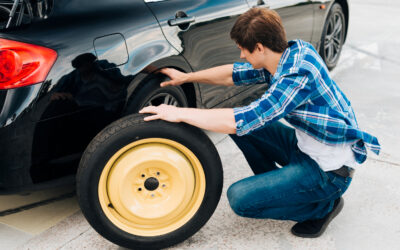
x=151 y=187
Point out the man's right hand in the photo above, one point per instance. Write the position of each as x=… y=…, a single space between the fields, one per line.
x=177 y=77
x=220 y=75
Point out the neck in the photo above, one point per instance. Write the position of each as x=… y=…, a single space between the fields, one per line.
x=272 y=63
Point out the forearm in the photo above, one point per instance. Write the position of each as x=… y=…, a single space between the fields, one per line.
x=217 y=120
x=220 y=75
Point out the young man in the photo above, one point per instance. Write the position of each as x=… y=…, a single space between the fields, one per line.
x=317 y=156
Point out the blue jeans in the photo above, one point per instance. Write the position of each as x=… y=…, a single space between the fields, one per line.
x=298 y=191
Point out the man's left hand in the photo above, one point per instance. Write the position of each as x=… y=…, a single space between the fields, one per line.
x=164 y=112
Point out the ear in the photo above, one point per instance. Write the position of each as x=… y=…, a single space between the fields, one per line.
x=260 y=47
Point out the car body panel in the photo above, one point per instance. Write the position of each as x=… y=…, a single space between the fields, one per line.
x=209 y=47
x=80 y=96
x=294 y=14
x=106 y=51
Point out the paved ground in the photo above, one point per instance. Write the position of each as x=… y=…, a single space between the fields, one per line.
x=368 y=73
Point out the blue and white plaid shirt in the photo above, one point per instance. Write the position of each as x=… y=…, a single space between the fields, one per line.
x=302 y=92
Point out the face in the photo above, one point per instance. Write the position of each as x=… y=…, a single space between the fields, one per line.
x=255 y=58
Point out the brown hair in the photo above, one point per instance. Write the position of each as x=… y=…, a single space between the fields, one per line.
x=260 y=25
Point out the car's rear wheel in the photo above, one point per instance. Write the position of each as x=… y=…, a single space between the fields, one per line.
x=146 y=185
x=151 y=94
x=333 y=36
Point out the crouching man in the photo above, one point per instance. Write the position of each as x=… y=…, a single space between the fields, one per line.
x=301 y=173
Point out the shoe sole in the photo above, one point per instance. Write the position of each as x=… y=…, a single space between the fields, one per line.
x=331 y=217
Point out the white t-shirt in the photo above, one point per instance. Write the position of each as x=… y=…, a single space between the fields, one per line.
x=328 y=157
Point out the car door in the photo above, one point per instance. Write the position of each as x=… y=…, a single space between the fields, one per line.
x=199 y=30
x=297 y=16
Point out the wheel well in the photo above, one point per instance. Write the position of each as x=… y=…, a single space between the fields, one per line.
x=188 y=89
x=345 y=7
x=190 y=93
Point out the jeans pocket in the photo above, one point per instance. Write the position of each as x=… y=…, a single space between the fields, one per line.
x=341 y=182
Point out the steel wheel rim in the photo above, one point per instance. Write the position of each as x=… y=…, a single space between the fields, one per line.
x=162 y=98
x=334 y=38
x=164 y=199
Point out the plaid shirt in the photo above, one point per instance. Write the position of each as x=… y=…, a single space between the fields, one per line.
x=302 y=92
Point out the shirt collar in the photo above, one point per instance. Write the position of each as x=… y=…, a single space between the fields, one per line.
x=286 y=54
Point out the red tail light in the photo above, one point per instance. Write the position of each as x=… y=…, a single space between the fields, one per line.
x=23 y=64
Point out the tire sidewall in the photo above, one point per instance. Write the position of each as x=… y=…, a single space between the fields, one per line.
x=89 y=176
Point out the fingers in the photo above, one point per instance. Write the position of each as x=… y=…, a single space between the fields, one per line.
x=148 y=109
x=163 y=112
x=167 y=83
x=166 y=71
x=152 y=117
x=163 y=70
x=174 y=76
x=170 y=83
x=151 y=110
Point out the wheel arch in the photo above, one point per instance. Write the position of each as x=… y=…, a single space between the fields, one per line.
x=177 y=62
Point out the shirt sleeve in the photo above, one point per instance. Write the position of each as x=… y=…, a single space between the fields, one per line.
x=280 y=99
x=244 y=74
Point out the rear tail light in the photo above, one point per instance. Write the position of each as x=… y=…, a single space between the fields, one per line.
x=23 y=64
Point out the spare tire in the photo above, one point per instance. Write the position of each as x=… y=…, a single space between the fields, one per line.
x=149 y=185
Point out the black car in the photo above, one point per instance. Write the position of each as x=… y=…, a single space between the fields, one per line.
x=70 y=68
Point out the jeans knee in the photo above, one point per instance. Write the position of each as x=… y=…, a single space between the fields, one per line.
x=235 y=198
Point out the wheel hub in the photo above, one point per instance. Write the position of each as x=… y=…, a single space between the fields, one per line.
x=151 y=184
x=162 y=98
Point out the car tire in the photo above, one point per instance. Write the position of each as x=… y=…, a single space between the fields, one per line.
x=149 y=185
x=333 y=36
x=150 y=93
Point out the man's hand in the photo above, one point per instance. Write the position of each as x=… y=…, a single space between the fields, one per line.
x=217 y=120
x=164 y=112
x=177 y=77
x=220 y=75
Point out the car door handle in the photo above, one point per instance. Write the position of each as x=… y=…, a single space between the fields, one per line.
x=181 y=20
x=261 y=3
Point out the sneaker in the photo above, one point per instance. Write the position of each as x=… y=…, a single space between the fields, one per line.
x=314 y=228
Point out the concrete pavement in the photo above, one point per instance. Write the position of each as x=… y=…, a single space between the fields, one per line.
x=368 y=72
x=370 y=218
